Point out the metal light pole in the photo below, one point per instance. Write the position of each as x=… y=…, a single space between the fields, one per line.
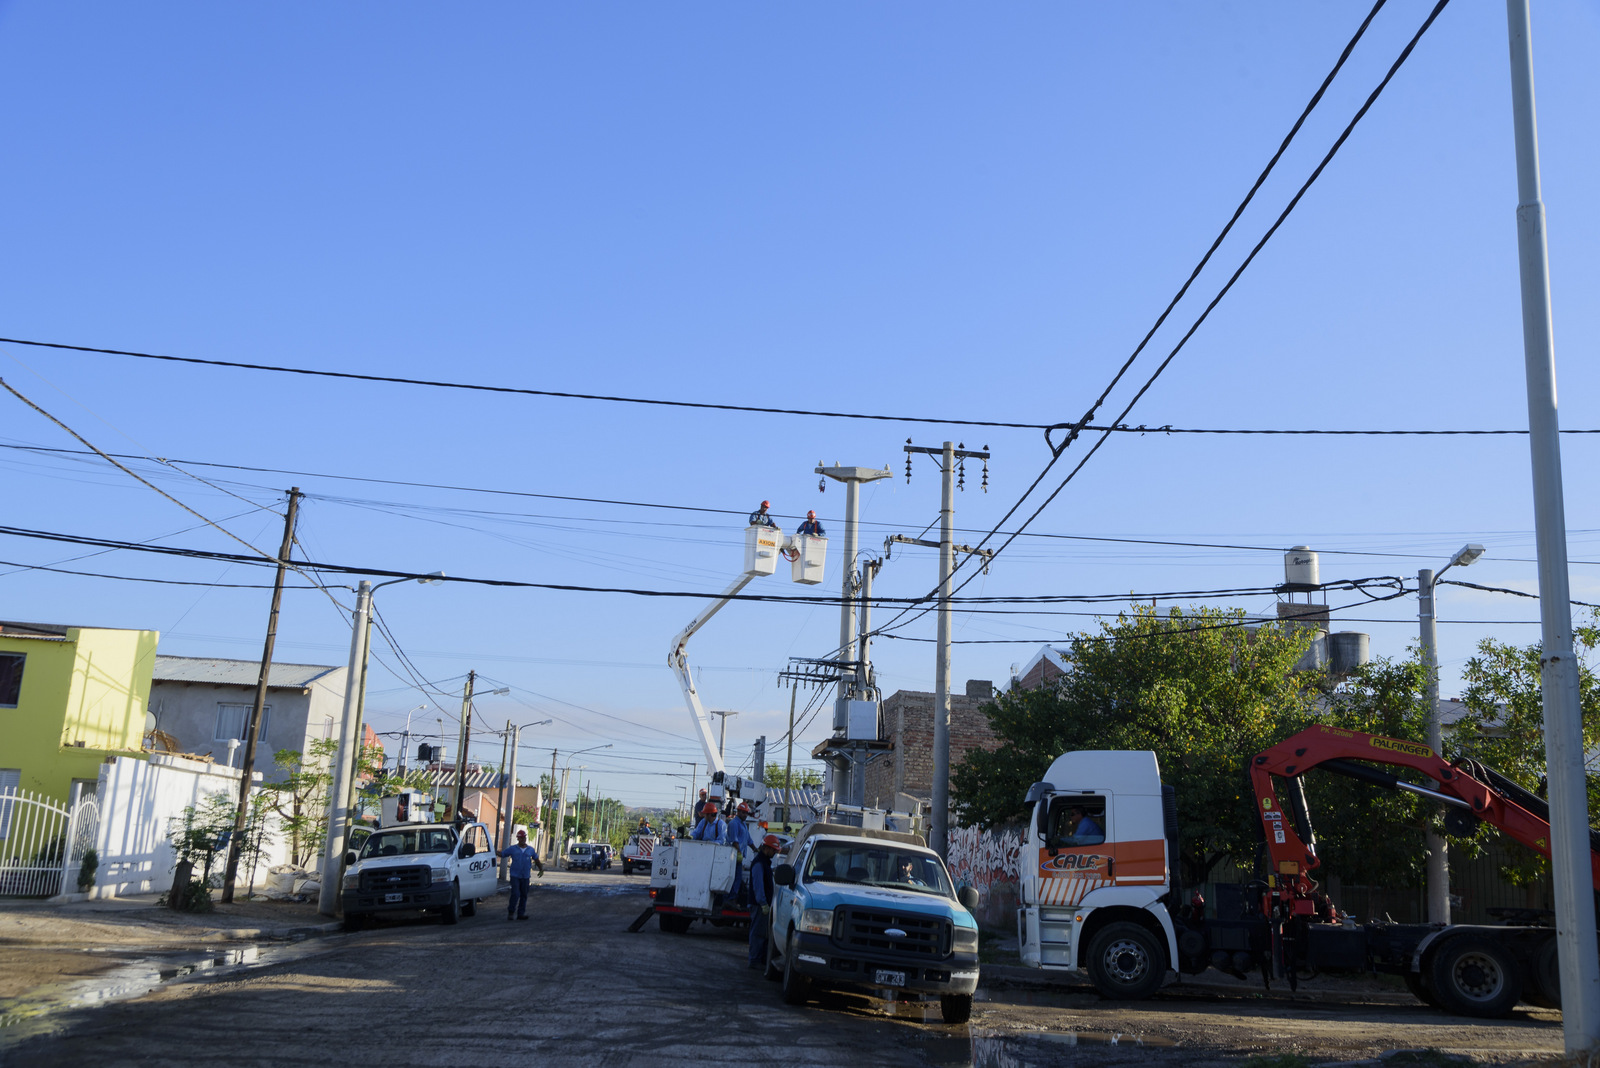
x=405 y=742
x=1438 y=847
x=561 y=807
x=1563 y=723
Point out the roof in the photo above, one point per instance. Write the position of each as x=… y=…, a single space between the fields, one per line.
x=236 y=672
x=478 y=778
x=56 y=631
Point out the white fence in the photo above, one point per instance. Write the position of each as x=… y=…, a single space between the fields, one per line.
x=139 y=799
x=43 y=843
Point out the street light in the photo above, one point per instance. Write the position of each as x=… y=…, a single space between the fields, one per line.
x=341 y=794
x=1438 y=855
x=405 y=740
x=561 y=801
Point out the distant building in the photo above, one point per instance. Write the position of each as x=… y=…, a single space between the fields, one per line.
x=202 y=704
x=69 y=697
x=907 y=766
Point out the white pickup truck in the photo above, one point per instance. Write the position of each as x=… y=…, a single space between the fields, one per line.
x=428 y=866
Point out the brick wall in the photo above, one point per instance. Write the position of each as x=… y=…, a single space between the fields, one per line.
x=908 y=725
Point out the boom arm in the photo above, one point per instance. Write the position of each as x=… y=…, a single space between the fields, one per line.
x=678 y=661
x=1333 y=750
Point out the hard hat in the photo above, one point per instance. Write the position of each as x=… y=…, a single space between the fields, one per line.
x=811 y=514
x=744 y=808
x=766 y=504
x=702 y=793
x=772 y=841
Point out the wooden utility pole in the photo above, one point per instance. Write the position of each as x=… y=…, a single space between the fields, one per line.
x=466 y=740
x=253 y=726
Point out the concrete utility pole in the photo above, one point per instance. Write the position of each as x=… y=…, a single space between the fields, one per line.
x=338 y=812
x=1563 y=724
x=788 y=756
x=1438 y=848
x=949 y=457
x=560 y=835
x=543 y=839
x=252 y=726
x=760 y=759
x=466 y=739
x=722 y=738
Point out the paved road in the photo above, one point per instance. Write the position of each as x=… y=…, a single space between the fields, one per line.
x=572 y=987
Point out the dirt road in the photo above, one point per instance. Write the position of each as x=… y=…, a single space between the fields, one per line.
x=572 y=987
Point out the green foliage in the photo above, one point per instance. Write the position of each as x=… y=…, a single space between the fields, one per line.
x=195 y=838
x=87 y=869
x=301 y=799
x=1504 y=725
x=798 y=777
x=1199 y=688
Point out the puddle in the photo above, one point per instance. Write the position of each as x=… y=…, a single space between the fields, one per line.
x=29 y=1014
x=985 y=1048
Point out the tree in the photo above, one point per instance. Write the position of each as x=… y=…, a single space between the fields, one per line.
x=301 y=799
x=798 y=777
x=1200 y=688
x=1504 y=725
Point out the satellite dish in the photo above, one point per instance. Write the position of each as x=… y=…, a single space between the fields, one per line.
x=149 y=722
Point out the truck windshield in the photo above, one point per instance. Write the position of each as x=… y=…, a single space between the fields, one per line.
x=401 y=843
x=877 y=866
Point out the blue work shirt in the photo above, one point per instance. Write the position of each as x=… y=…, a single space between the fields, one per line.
x=739 y=835
x=710 y=829
x=761 y=879
x=522 y=858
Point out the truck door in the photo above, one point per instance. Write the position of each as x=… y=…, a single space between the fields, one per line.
x=480 y=867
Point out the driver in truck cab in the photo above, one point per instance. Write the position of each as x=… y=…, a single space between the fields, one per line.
x=1085 y=831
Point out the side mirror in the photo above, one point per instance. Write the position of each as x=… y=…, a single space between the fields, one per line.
x=350 y=858
x=968 y=896
x=783 y=875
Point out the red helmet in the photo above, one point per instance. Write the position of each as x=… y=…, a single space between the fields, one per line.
x=811 y=514
x=711 y=805
x=765 y=505
x=702 y=793
x=744 y=808
x=772 y=842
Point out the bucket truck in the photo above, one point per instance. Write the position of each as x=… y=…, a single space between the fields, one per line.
x=690 y=880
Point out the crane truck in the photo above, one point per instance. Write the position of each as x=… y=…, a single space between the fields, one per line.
x=692 y=880
x=1100 y=890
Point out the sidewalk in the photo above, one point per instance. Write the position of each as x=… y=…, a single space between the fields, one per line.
x=138 y=921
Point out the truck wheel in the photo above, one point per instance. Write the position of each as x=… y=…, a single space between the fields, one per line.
x=795 y=985
x=1544 y=987
x=773 y=972
x=469 y=908
x=1475 y=977
x=955 y=1008
x=627 y=867
x=1417 y=983
x=354 y=921
x=672 y=923
x=1125 y=962
x=452 y=911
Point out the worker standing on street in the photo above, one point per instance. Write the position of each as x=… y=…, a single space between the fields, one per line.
x=761 y=899
x=523 y=857
x=810 y=526
x=712 y=827
x=760 y=518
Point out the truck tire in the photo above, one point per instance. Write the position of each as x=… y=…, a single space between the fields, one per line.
x=955 y=1008
x=451 y=913
x=627 y=866
x=672 y=923
x=796 y=987
x=354 y=921
x=773 y=972
x=1475 y=977
x=1125 y=962
x=1544 y=977
x=1417 y=983
x=470 y=907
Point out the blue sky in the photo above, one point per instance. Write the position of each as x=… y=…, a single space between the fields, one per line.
x=915 y=210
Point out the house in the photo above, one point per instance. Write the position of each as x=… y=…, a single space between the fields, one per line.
x=203 y=702
x=70 y=697
x=906 y=767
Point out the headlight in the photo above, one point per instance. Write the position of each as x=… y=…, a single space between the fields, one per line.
x=352 y=880
x=966 y=938
x=817 y=921
x=440 y=875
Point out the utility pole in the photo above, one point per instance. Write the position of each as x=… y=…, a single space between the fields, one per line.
x=466 y=740
x=761 y=760
x=338 y=812
x=951 y=458
x=544 y=832
x=1438 y=855
x=788 y=757
x=1563 y=723
x=722 y=739
x=252 y=726
x=505 y=823
x=560 y=838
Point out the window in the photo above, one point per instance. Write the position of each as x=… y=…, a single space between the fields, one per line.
x=1076 y=820
x=11 y=678
x=10 y=781
x=231 y=720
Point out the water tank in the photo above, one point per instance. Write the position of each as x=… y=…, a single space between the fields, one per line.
x=1348 y=650
x=1300 y=567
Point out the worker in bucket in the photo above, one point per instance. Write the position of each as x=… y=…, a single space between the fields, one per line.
x=761 y=899
x=700 y=806
x=712 y=827
x=760 y=518
x=739 y=835
x=810 y=526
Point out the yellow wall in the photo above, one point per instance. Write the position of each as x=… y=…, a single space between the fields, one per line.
x=91 y=688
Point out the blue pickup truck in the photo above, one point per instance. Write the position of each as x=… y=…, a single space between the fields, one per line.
x=873 y=911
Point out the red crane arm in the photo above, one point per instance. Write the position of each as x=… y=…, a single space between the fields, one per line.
x=1292 y=858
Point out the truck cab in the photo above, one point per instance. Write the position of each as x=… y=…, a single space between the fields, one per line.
x=874 y=911
x=1096 y=869
x=437 y=867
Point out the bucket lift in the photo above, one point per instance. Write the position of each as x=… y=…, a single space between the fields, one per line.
x=763 y=545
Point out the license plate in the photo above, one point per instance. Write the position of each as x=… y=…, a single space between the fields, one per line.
x=391 y=898
x=888 y=978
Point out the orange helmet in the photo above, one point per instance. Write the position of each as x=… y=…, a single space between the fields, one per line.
x=702 y=793
x=810 y=514
x=772 y=842
x=765 y=505
x=744 y=808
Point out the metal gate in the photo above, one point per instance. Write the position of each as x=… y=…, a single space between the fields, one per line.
x=42 y=843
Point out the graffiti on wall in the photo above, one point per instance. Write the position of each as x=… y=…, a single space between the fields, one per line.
x=985 y=860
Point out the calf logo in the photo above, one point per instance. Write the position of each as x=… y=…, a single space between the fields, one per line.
x=1089 y=864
